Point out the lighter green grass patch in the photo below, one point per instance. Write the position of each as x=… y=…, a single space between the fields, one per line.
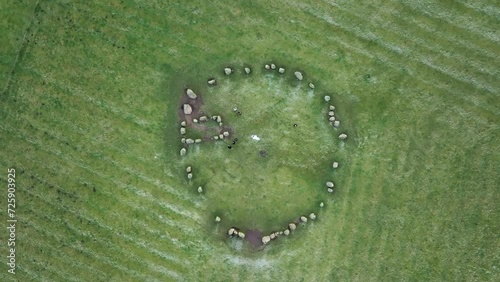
x=263 y=184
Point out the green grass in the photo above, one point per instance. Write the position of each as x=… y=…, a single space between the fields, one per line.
x=246 y=189
x=88 y=118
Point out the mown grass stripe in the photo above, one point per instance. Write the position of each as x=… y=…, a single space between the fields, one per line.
x=129 y=188
x=124 y=253
x=457 y=20
x=90 y=253
x=428 y=41
x=455 y=94
x=390 y=47
x=143 y=193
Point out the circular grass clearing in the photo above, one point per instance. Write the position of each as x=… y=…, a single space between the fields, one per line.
x=276 y=170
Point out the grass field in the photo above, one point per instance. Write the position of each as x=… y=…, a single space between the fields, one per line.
x=88 y=118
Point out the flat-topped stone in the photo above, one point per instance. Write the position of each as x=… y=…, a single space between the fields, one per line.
x=187 y=109
x=191 y=94
x=298 y=75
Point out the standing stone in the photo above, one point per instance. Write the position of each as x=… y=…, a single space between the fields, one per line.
x=220 y=124
x=330 y=184
x=183 y=123
x=327 y=98
x=331 y=118
x=312 y=216
x=195 y=120
x=292 y=226
x=211 y=82
x=200 y=189
x=228 y=71
x=273 y=66
x=281 y=70
x=241 y=235
x=191 y=94
x=321 y=204
x=267 y=66
x=330 y=190
x=247 y=70
x=331 y=113
x=203 y=118
x=332 y=108
x=217 y=219
x=336 y=123
x=342 y=136
x=230 y=231
x=272 y=236
x=298 y=75
x=183 y=130
x=216 y=137
x=197 y=141
x=219 y=119
x=286 y=232
x=335 y=164
x=183 y=140
x=266 y=239
x=183 y=151
x=187 y=109
x=311 y=85
x=225 y=133
x=188 y=169
x=190 y=176
x=303 y=219
x=189 y=141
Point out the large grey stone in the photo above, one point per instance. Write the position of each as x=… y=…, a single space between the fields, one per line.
x=187 y=109
x=266 y=239
x=342 y=136
x=298 y=75
x=183 y=152
x=191 y=94
x=228 y=71
x=330 y=184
